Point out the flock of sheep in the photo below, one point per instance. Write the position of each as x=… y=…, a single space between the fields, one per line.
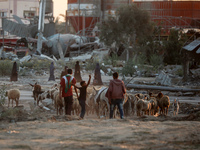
x=140 y=104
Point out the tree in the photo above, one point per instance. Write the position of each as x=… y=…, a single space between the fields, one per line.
x=173 y=46
x=60 y=26
x=151 y=45
x=129 y=24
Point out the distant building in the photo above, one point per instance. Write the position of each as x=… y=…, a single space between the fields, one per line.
x=167 y=13
x=21 y=8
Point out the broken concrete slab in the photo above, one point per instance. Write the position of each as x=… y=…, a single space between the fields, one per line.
x=25 y=58
x=163 y=79
x=32 y=57
x=46 y=102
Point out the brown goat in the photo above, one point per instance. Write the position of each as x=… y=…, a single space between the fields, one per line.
x=36 y=91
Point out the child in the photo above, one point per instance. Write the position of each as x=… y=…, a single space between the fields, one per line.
x=82 y=96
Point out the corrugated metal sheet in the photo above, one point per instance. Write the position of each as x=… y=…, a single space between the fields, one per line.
x=192 y=45
x=198 y=51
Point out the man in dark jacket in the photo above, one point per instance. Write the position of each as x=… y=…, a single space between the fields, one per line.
x=115 y=94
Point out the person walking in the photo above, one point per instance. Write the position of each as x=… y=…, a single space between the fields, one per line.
x=115 y=95
x=77 y=73
x=97 y=75
x=52 y=68
x=14 y=74
x=66 y=84
x=64 y=72
x=82 y=96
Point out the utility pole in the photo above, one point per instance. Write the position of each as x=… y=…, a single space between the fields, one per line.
x=79 y=26
x=84 y=15
x=41 y=25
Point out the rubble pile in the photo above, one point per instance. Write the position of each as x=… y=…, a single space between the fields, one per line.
x=186 y=108
x=173 y=70
x=192 y=111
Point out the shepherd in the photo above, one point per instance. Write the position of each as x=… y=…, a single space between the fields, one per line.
x=66 y=84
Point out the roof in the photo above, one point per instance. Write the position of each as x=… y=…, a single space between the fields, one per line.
x=193 y=45
x=198 y=51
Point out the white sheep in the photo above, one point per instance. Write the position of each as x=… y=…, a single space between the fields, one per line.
x=51 y=93
x=59 y=104
x=13 y=94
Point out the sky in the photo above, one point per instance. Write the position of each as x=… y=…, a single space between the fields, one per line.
x=60 y=7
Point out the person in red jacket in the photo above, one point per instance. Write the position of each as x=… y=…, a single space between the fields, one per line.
x=115 y=94
x=67 y=81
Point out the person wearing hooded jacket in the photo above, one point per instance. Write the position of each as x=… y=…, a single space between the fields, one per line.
x=115 y=94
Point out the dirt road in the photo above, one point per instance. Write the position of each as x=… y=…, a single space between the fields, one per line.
x=50 y=132
x=100 y=134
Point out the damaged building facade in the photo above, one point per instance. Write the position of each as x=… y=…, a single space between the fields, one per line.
x=22 y=8
x=82 y=17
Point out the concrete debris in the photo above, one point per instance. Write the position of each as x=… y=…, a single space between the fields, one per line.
x=36 y=57
x=11 y=56
x=173 y=70
x=163 y=79
x=46 y=102
x=195 y=72
x=25 y=58
x=83 y=57
x=43 y=57
x=41 y=105
x=102 y=72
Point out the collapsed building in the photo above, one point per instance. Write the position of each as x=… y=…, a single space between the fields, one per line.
x=38 y=35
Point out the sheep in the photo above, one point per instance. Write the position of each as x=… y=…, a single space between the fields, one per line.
x=140 y=95
x=13 y=94
x=89 y=104
x=53 y=97
x=76 y=108
x=129 y=106
x=143 y=105
x=154 y=105
x=51 y=92
x=59 y=104
x=163 y=103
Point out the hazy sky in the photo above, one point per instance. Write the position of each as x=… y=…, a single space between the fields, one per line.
x=60 y=7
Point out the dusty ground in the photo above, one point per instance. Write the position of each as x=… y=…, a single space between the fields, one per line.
x=45 y=130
